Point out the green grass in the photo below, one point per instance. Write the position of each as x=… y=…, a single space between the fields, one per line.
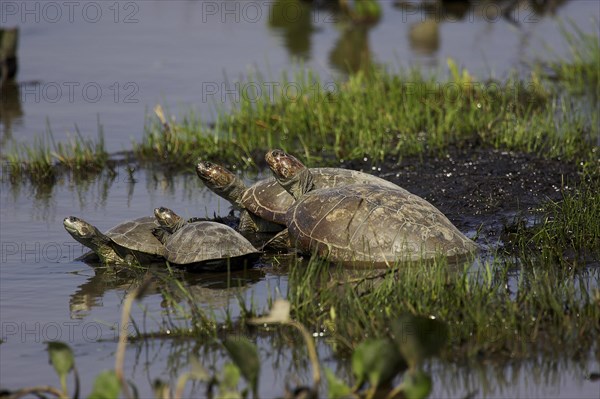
x=541 y=311
x=564 y=229
x=538 y=296
x=46 y=158
x=375 y=113
x=379 y=114
x=580 y=73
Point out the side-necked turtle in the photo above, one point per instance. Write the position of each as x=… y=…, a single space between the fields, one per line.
x=264 y=204
x=363 y=223
x=127 y=242
x=204 y=243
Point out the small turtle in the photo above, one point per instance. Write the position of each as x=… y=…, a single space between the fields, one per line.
x=128 y=242
x=363 y=223
x=264 y=204
x=206 y=243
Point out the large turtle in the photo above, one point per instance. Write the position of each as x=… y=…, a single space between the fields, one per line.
x=127 y=242
x=363 y=223
x=205 y=243
x=264 y=204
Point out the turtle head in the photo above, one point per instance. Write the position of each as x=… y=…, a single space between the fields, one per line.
x=90 y=236
x=79 y=229
x=284 y=165
x=221 y=181
x=167 y=218
x=290 y=172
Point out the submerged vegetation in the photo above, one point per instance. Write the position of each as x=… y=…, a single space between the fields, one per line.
x=378 y=114
x=533 y=298
x=46 y=158
x=374 y=113
x=581 y=75
x=375 y=363
x=535 y=294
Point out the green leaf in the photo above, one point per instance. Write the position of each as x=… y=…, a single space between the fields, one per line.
x=416 y=385
x=106 y=386
x=377 y=361
x=229 y=382
x=337 y=389
x=419 y=337
x=62 y=359
x=245 y=356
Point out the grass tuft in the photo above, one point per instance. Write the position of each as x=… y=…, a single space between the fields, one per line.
x=45 y=159
x=579 y=74
x=378 y=114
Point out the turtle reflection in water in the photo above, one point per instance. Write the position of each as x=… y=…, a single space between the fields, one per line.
x=208 y=245
x=362 y=223
x=128 y=242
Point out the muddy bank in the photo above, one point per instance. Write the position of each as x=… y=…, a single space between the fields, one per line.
x=479 y=189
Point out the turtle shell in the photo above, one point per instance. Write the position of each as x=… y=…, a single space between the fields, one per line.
x=372 y=224
x=206 y=241
x=269 y=200
x=137 y=235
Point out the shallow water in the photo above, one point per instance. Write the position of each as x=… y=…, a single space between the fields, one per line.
x=46 y=295
x=101 y=63
x=176 y=53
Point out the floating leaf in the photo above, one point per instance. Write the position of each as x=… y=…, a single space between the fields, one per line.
x=106 y=386
x=377 y=361
x=336 y=387
x=245 y=356
x=416 y=385
x=419 y=337
x=280 y=313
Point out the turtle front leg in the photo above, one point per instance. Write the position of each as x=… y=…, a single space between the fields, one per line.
x=281 y=242
x=108 y=255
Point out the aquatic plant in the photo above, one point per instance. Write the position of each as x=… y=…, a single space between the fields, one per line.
x=378 y=114
x=372 y=362
x=580 y=73
x=46 y=158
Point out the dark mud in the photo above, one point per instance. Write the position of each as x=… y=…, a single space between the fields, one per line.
x=480 y=189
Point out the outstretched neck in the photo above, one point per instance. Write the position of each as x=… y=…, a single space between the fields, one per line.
x=234 y=191
x=300 y=184
x=164 y=231
x=100 y=243
x=177 y=226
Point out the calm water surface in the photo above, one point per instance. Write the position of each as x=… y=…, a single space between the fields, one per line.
x=112 y=64
x=46 y=295
x=177 y=53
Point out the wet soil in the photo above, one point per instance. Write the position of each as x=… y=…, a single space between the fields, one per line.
x=479 y=189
